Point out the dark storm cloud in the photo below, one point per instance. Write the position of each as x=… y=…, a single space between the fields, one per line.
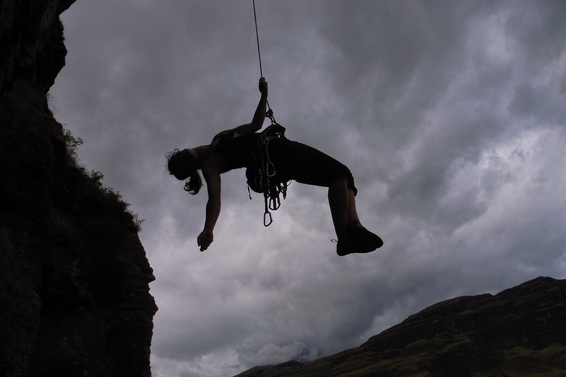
x=450 y=115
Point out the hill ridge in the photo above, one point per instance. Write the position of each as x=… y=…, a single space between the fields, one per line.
x=520 y=331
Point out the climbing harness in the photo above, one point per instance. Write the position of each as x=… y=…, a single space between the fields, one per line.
x=262 y=175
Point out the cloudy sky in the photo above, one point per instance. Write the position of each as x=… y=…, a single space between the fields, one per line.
x=450 y=114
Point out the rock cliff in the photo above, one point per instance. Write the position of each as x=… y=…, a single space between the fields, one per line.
x=519 y=332
x=74 y=277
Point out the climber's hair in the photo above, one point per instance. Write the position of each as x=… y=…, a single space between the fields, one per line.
x=182 y=165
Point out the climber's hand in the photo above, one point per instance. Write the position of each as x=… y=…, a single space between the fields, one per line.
x=263 y=86
x=204 y=239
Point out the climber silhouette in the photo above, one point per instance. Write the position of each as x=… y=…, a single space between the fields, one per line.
x=233 y=149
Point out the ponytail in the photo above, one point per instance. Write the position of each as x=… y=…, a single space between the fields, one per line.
x=193 y=185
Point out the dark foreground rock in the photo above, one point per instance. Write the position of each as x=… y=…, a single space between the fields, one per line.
x=74 y=277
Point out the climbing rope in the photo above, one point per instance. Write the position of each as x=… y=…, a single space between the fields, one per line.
x=269 y=112
x=257 y=40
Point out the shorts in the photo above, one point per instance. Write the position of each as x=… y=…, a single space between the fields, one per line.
x=305 y=164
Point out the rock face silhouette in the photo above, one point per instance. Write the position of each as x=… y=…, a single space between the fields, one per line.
x=74 y=278
x=518 y=332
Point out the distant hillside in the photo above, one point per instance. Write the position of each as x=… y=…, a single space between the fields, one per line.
x=519 y=332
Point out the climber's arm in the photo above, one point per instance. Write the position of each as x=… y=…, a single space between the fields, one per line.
x=258 y=118
x=211 y=175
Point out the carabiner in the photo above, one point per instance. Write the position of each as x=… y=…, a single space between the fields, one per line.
x=274 y=203
x=267 y=216
x=270 y=169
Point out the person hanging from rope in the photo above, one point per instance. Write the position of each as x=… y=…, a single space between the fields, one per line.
x=237 y=148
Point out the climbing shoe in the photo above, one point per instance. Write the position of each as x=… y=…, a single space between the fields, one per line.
x=358 y=239
x=357 y=231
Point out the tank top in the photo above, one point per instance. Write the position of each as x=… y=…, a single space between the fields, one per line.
x=237 y=150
